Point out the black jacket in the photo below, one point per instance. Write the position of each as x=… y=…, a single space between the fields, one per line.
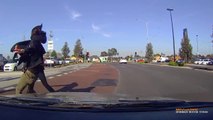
x=36 y=51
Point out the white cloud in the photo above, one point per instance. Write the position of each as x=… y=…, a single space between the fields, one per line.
x=106 y=35
x=73 y=14
x=98 y=29
x=95 y=28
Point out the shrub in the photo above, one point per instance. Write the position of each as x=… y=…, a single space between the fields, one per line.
x=171 y=63
x=141 y=62
x=176 y=63
x=180 y=64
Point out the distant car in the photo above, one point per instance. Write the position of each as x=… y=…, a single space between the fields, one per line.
x=167 y=60
x=206 y=61
x=140 y=60
x=51 y=61
x=61 y=61
x=12 y=66
x=123 y=61
x=210 y=63
x=180 y=61
x=67 y=61
x=199 y=61
x=163 y=59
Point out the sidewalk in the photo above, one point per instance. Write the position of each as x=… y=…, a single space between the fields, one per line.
x=10 y=84
x=203 y=67
x=186 y=66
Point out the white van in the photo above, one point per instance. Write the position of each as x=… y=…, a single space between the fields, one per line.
x=163 y=59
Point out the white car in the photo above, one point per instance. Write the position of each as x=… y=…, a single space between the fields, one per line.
x=61 y=61
x=163 y=59
x=12 y=66
x=51 y=61
x=123 y=61
x=206 y=61
x=202 y=61
x=67 y=61
x=199 y=62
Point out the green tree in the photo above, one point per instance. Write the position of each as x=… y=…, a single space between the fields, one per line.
x=149 y=52
x=104 y=53
x=54 y=54
x=65 y=50
x=78 y=49
x=185 y=51
x=112 y=52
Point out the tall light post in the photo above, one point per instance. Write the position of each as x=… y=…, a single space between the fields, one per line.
x=170 y=11
x=212 y=37
x=197 y=44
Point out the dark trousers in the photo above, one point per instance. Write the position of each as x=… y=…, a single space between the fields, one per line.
x=40 y=75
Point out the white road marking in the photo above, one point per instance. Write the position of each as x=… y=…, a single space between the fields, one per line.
x=50 y=77
x=59 y=75
x=8 y=88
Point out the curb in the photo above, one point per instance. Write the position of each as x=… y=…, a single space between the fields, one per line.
x=8 y=88
x=11 y=86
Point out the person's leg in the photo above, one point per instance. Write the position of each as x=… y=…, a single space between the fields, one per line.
x=21 y=85
x=31 y=87
x=26 y=79
x=43 y=79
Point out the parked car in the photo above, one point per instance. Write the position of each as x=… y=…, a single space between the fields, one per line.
x=163 y=59
x=202 y=61
x=199 y=61
x=12 y=66
x=180 y=62
x=61 y=61
x=51 y=61
x=67 y=61
x=123 y=61
x=140 y=60
x=206 y=61
x=210 y=63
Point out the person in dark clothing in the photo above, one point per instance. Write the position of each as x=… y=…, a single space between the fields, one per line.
x=42 y=77
x=35 y=66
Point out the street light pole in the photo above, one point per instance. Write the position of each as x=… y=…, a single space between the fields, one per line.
x=170 y=11
x=197 y=44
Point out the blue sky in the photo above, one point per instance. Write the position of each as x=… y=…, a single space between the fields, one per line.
x=127 y=25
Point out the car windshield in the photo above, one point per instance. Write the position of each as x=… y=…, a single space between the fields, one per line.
x=93 y=51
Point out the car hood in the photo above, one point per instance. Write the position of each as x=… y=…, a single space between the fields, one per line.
x=85 y=97
x=70 y=100
x=10 y=64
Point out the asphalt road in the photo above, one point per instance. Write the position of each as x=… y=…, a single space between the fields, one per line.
x=135 y=80
x=162 y=82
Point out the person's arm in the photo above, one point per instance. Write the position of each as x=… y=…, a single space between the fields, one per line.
x=31 y=49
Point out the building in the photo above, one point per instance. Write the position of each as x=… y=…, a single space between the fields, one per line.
x=104 y=59
x=50 y=44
